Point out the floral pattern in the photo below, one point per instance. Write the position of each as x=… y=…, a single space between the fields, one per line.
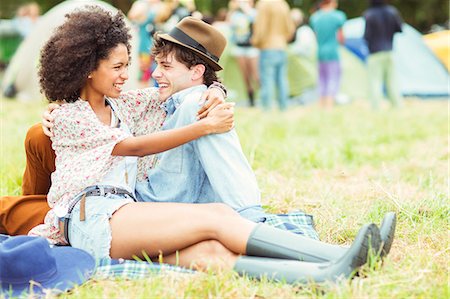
x=83 y=147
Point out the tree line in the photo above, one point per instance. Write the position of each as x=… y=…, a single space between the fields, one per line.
x=417 y=13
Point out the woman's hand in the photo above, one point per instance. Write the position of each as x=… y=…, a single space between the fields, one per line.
x=47 y=119
x=221 y=118
x=210 y=99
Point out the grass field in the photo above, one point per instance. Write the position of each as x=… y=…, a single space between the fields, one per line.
x=347 y=167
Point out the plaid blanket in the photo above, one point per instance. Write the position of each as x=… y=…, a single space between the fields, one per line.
x=297 y=222
x=133 y=269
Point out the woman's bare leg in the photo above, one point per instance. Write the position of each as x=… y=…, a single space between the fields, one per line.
x=166 y=227
x=245 y=71
x=254 y=72
x=202 y=256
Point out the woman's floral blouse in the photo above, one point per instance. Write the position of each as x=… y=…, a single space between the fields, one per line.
x=83 y=147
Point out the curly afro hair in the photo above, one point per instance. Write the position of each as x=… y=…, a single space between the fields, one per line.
x=76 y=48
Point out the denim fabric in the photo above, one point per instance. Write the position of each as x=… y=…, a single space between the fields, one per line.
x=212 y=168
x=273 y=71
x=94 y=233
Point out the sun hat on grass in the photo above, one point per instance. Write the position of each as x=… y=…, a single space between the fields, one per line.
x=28 y=265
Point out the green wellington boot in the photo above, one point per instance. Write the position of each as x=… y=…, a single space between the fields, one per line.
x=387 y=232
x=293 y=271
x=266 y=241
x=269 y=242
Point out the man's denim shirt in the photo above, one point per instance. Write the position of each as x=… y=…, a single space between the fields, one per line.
x=212 y=168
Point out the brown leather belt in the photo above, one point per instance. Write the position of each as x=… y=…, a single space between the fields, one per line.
x=81 y=197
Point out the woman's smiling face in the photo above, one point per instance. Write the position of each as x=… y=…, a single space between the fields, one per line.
x=111 y=74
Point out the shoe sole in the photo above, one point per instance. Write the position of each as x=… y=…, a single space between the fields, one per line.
x=387 y=232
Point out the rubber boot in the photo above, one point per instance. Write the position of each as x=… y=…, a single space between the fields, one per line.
x=292 y=271
x=271 y=242
x=387 y=232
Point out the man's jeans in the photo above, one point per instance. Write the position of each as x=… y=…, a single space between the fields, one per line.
x=273 y=71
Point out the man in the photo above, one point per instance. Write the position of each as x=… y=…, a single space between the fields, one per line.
x=272 y=29
x=382 y=22
x=209 y=169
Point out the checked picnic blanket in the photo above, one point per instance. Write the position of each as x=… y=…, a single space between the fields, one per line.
x=297 y=222
x=130 y=269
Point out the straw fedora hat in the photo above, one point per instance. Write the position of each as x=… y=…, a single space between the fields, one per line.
x=24 y=259
x=199 y=37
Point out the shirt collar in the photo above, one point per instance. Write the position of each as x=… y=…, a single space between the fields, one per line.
x=172 y=103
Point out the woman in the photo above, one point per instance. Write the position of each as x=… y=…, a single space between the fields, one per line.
x=241 y=20
x=85 y=64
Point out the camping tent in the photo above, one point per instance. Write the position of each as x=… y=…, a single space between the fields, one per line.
x=419 y=71
x=22 y=70
x=439 y=43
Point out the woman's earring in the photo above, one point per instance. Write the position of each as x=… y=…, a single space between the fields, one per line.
x=89 y=77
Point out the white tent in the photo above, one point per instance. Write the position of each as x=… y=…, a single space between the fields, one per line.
x=22 y=70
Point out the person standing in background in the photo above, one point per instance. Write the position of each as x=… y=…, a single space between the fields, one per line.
x=26 y=17
x=173 y=11
x=142 y=14
x=242 y=16
x=272 y=29
x=382 y=22
x=327 y=24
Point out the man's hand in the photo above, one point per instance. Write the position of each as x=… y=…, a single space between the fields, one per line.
x=47 y=119
x=210 y=99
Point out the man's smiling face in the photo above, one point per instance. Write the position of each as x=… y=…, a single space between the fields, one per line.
x=172 y=76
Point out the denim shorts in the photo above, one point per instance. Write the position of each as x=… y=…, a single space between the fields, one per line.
x=250 y=52
x=94 y=233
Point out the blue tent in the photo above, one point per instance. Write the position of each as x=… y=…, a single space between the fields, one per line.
x=420 y=72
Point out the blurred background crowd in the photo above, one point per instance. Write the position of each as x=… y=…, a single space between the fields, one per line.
x=279 y=53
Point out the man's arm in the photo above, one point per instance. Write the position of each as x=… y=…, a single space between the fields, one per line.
x=228 y=170
x=221 y=156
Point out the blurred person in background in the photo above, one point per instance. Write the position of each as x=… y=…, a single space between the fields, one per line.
x=272 y=29
x=327 y=24
x=242 y=16
x=26 y=17
x=172 y=11
x=142 y=13
x=382 y=22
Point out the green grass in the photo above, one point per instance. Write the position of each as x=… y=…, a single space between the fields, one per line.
x=346 y=167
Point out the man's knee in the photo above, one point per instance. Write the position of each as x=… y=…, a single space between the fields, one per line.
x=19 y=214
x=36 y=141
x=40 y=162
